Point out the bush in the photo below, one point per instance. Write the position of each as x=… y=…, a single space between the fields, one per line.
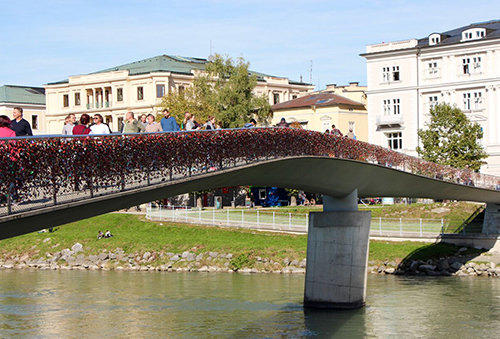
x=240 y=261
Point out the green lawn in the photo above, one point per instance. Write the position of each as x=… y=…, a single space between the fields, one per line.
x=134 y=234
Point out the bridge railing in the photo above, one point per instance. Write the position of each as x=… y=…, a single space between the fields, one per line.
x=42 y=171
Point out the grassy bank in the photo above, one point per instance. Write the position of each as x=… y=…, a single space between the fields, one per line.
x=135 y=235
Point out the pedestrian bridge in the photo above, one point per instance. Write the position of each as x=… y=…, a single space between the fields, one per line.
x=55 y=180
x=49 y=181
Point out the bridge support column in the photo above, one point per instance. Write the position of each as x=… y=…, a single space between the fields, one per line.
x=337 y=255
x=491 y=223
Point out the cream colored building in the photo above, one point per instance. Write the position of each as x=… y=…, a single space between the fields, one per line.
x=319 y=111
x=30 y=99
x=352 y=91
x=139 y=87
x=407 y=78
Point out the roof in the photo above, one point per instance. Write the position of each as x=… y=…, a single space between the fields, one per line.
x=318 y=100
x=169 y=63
x=22 y=94
x=455 y=35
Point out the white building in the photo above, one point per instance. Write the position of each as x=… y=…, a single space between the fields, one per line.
x=406 y=78
x=30 y=99
x=139 y=87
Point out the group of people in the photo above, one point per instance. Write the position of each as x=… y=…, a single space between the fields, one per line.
x=101 y=235
x=336 y=132
x=17 y=127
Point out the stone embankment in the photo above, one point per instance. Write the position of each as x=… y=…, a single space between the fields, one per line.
x=118 y=260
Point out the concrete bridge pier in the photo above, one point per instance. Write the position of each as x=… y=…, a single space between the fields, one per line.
x=337 y=254
x=491 y=223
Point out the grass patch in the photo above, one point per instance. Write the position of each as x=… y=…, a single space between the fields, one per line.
x=134 y=234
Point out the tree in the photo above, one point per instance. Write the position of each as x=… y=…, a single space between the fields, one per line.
x=451 y=139
x=224 y=90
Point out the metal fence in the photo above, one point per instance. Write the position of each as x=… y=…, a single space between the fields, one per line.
x=289 y=222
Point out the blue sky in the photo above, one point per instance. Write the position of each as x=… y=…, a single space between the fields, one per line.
x=46 y=41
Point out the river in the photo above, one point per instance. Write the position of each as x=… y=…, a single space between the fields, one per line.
x=93 y=304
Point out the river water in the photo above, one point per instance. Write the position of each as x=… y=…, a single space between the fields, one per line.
x=93 y=304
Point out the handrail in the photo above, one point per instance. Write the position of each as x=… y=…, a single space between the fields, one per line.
x=56 y=169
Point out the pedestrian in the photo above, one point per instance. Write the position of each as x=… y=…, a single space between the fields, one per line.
x=250 y=124
x=210 y=124
x=99 y=127
x=130 y=125
x=144 y=120
x=83 y=127
x=20 y=125
x=152 y=126
x=351 y=134
x=336 y=132
x=168 y=123
x=69 y=124
x=189 y=122
x=5 y=130
x=282 y=123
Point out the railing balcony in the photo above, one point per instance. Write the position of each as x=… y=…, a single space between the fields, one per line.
x=391 y=119
x=89 y=106
x=107 y=104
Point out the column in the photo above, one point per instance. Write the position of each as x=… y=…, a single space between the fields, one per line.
x=337 y=254
x=93 y=98
x=103 y=98
x=491 y=223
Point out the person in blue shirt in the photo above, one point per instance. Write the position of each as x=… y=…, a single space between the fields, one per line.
x=168 y=123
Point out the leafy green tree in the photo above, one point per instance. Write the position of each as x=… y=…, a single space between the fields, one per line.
x=224 y=90
x=451 y=139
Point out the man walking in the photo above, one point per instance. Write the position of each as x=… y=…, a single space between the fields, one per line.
x=168 y=123
x=20 y=125
x=130 y=125
x=69 y=123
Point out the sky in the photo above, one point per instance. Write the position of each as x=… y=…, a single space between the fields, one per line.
x=47 y=41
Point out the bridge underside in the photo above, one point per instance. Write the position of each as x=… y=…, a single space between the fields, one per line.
x=329 y=176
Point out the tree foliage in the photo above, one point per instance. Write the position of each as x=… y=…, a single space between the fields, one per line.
x=451 y=139
x=224 y=90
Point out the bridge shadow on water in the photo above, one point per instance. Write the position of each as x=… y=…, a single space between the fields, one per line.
x=295 y=321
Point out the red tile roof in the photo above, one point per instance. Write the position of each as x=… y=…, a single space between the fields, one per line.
x=318 y=100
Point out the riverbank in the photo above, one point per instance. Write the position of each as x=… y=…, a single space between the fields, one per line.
x=141 y=245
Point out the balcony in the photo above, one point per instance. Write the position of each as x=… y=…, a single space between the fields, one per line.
x=389 y=120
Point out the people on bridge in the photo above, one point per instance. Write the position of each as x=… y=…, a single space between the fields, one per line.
x=282 y=123
x=69 y=124
x=130 y=125
x=20 y=125
x=190 y=122
x=5 y=130
x=351 y=134
x=336 y=132
x=83 y=127
x=152 y=126
x=168 y=123
x=144 y=120
x=250 y=124
x=99 y=127
x=210 y=124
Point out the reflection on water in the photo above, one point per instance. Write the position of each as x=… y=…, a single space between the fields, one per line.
x=159 y=304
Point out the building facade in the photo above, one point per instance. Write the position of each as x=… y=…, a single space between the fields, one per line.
x=139 y=87
x=30 y=99
x=319 y=111
x=407 y=78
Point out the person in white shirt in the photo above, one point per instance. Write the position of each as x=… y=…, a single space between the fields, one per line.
x=99 y=127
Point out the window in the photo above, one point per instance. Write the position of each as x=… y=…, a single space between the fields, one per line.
x=140 y=93
x=34 y=121
x=181 y=89
x=432 y=68
x=65 y=100
x=160 y=91
x=119 y=94
x=395 y=140
x=77 y=99
x=465 y=65
x=294 y=97
x=472 y=101
x=387 y=107
x=433 y=101
x=276 y=98
x=351 y=126
x=395 y=73
x=395 y=103
x=476 y=64
x=385 y=74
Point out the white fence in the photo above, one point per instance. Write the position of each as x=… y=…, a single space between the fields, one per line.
x=290 y=222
